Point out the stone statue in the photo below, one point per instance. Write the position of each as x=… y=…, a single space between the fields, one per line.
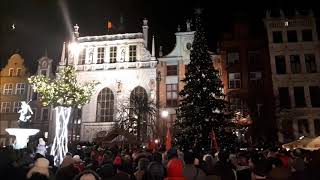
x=123 y=55
x=25 y=108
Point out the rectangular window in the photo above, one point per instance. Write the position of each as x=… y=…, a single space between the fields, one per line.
x=100 y=59
x=299 y=97
x=233 y=57
x=317 y=127
x=295 y=64
x=82 y=57
x=19 y=70
x=44 y=114
x=284 y=97
x=16 y=106
x=307 y=35
x=5 y=107
x=280 y=64
x=113 y=54
x=315 y=96
x=172 y=70
x=255 y=79
x=132 y=53
x=11 y=72
x=303 y=126
x=43 y=72
x=172 y=95
x=234 y=80
x=310 y=60
x=277 y=36
x=20 y=88
x=8 y=89
x=292 y=36
x=253 y=57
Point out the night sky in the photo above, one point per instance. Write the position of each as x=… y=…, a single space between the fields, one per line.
x=40 y=24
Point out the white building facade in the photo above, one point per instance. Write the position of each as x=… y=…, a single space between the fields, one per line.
x=295 y=65
x=122 y=66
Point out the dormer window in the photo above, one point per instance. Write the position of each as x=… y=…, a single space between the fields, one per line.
x=11 y=71
x=132 y=53
x=19 y=71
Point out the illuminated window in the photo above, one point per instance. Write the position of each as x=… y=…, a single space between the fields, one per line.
x=19 y=70
x=5 y=107
x=20 y=88
x=172 y=70
x=100 y=59
x=8 y=89
x=172 y=95
x=11 y=71
x=234 y=80
x=132 y=53
x=255 y=79
x=113 y=54
x=16 y=106
x=310 y=60
x=82 y=57
x=105 y=103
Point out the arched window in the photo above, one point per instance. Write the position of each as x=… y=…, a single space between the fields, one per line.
x=139 y=111
x=105 y=103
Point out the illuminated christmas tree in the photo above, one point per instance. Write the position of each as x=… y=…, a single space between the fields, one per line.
x=201 y=109
x=63 y=93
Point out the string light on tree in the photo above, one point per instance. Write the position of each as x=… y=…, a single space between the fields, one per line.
x=63 y=93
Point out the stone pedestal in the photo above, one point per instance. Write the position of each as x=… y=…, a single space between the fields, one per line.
x=22 y=136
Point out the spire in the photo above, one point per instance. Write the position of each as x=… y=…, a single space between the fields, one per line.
x=45 y=52
x=63 y=54
x=153 y=50
x=160 y=52
x=188 y=25
x=178 y=28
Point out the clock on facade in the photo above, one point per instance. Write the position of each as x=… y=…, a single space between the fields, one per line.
x=44 y=64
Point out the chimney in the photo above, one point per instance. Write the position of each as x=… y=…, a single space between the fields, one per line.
x=145 y=28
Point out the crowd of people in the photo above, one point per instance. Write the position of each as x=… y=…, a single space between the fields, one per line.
x=101 y=163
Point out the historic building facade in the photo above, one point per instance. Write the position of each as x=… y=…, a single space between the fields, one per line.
x=123 y=67
x=171 y=70
x=243 y=64
x=42 y=115
x=295 y=66
x=13 y=90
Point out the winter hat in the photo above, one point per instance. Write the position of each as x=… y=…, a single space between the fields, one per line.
x=172 y=153
x=77 y=158
x=68 y=160
x=117 y=161
x=40 y=166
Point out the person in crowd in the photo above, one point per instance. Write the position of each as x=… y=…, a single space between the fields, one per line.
x=106 y=172
x=279 y=171
x=190 y=171
x=41 y=166
x=223 y=168
x=38 y=176
x=175 y=170
x=87 y=175
x=123 y=172
x=67 y=170
x=243 y=169
x=297 y=166
x=78 y=163
x=142 y=167
x=259 y=165
x=155 y=171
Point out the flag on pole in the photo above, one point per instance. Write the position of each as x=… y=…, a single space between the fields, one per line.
x=168 y=140
x=214 y=144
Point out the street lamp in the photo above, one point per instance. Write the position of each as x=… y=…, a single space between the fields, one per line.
x=164 y=114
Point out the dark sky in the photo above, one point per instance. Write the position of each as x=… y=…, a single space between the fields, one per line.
x=40 y=24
